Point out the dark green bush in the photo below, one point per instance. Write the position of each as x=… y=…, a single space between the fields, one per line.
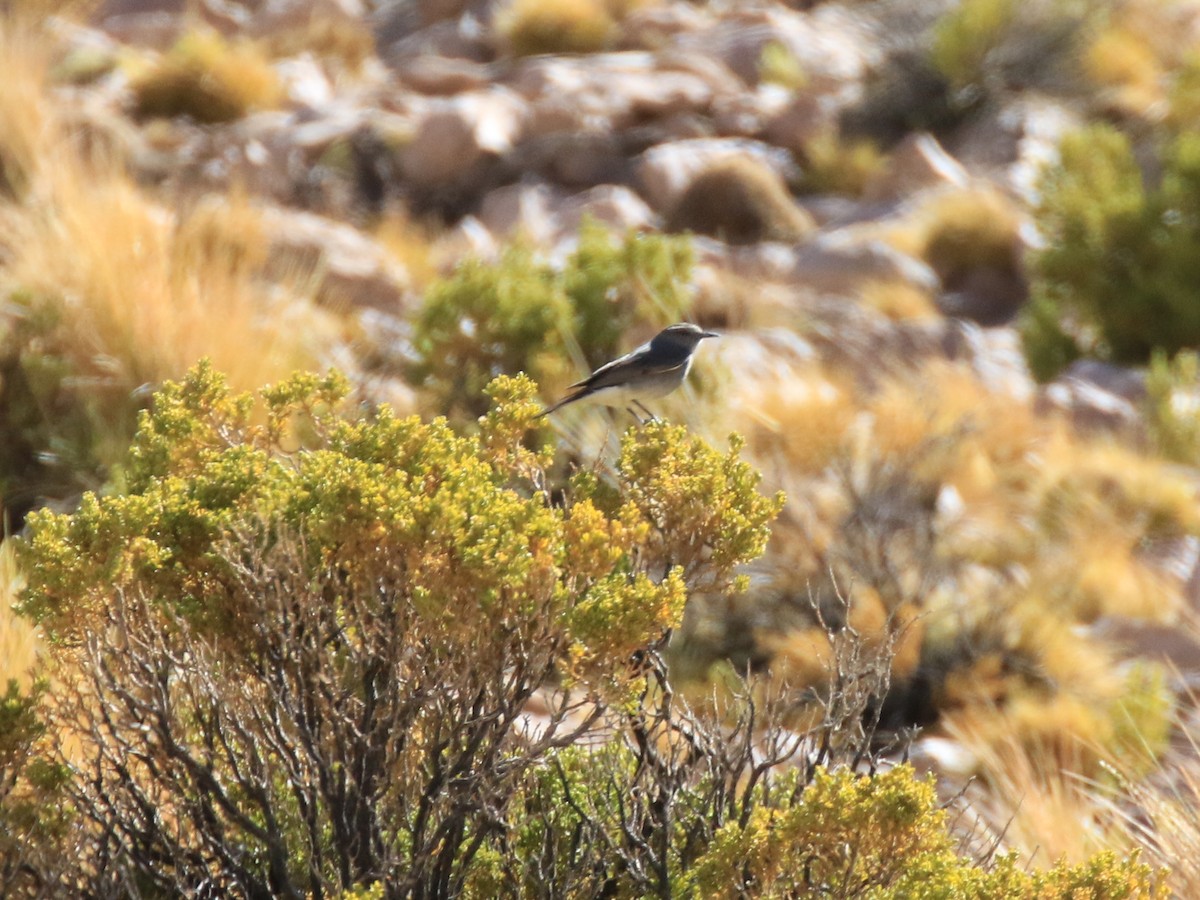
x=522 y=315
x=1117 y=278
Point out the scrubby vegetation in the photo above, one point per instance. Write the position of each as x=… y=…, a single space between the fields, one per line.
x=310 y=672
x=524 y=315
x=1116 y=278
x=302 y=642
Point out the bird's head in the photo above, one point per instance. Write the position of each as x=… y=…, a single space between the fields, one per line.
x=682 y=334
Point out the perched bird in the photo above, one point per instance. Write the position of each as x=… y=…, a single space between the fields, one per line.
x=652 y=370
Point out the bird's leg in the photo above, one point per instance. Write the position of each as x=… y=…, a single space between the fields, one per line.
x=651 y=416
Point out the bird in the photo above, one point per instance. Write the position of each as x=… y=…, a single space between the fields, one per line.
x=653 y=370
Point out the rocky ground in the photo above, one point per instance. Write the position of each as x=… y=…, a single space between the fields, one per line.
x=863 y=221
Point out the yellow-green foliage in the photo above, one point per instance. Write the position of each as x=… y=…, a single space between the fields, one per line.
x=557 y=26
x=778 y=65
x=31 y=812
x=522 y=315
x=1173 y=405
x=425 y=560
x=849 y=835
x=742 y=201
x=208 y=78
x=966 y=34
x=1117 y=276
x=836 y=165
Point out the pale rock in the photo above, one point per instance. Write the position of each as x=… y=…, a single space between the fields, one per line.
x=612 y=205
x=608 y=91
x=872 y=346
x=459 y=132
x=840 y=262
x=945 y=756
x=275 y=16
x=998 y=361
x=442 y=75
x=304 y=81
x=350 y=269
x=657 y=25
x=665 y=171
x=575 y=158
x=522 y=210
x=469 y=239
x=1096 y=396
x=917 y=163
x=154 y=24
x=462 y=38
x=829 y=44
x=1169 y=645
x=1017 y=142
x=807 y=115
x=746 y=113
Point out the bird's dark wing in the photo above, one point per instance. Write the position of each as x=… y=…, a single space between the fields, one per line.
x=631 y=367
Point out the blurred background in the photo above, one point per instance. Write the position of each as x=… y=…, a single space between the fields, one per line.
x=953 y=249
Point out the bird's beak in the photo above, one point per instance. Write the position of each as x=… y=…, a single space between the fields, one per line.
x=709 y=334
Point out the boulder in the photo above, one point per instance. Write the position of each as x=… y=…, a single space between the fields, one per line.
x=665 y=171
x=526 y=210
x=917 y=163
x=610 y=91
x=1097 y=397
x=350 y=269
x=456 y=133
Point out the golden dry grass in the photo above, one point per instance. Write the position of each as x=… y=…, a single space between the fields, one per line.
x=836 y=165
x=957 y=230
x=24 y=114
x=411 y=242
x=19 y=644
x=207 y=77
x=530 y=27
x=140 y=290
x=145 y=291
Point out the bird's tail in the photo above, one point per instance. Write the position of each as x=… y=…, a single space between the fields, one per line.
x=570 y=398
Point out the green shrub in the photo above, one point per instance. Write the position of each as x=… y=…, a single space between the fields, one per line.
x=348 y=634
x=1117 y=277
x=32 y=819
x=847 y=835
x=521 y=315
x=965 y=36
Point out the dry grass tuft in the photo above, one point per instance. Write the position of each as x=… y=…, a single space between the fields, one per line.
x=741 y=201
x=899 y=301
x=530 y=27
x=411 y=242
x=23 y=111
x=208 y=78
x=836 y=165
x=957 y=231
x=141 y=292
x=19 y=644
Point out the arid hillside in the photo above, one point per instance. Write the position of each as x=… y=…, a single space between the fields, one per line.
x=952 y=251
